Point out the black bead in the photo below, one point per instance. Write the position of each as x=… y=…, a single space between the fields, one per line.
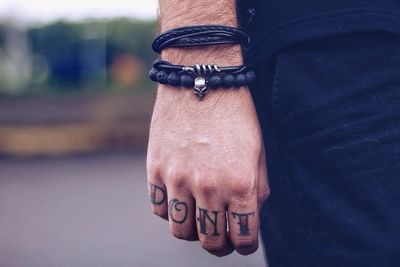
x=153 y=74
x=187 y=80
x=214 y=81
x=173 y=79
x=250 y=76
x=228 y=80
x=162 y=77
x=240 y=80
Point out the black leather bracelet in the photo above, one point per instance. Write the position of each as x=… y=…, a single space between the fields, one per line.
x=200 y=35
x=202 y=78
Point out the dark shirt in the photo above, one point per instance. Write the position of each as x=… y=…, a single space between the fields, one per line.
x=279 y=23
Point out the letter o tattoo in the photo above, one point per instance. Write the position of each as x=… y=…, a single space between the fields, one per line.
x=176 y=207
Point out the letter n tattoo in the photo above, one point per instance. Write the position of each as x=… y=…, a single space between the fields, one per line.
x=203 y=217
x=243 y=221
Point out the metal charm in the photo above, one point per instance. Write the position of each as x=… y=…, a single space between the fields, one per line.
x=201 y=69
x=200 y=89
x=188 y=69
x=205 y=69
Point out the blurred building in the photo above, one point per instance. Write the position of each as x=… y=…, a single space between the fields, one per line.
x=16 y=63
x=75 y=87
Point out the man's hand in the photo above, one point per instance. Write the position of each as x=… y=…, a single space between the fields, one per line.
x=206 y=167
x=205 y=162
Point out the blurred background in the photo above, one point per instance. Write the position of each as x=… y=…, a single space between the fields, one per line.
x=75 y=106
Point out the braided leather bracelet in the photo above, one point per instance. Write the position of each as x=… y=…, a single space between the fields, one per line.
x=200 y=35
x=200 y=76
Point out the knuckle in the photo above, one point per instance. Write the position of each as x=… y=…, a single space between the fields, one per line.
x=181 y=234
x=242 y=186
x=206 y=186
x=178 y=181
x=153 y=166
x=246 y=247
x=159 y=211
x=247 y=250
x=212 y=246
x=244 y=243
x=263 y=195
x=177 y=177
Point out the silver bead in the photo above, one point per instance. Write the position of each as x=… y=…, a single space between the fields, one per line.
x=200 y=88
x=204 y=68
x=198 y=68
x=210 y=69
x=188 y=69
x=216 y=68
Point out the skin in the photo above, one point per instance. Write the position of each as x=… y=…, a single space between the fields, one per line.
x=205 y=162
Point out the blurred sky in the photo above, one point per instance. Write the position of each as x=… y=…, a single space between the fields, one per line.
x=47 y=10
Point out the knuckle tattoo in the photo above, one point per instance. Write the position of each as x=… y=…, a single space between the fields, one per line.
x=177 y=211
x=211 y=217
x=208 y=222
x=243 y=222
x=157 y=194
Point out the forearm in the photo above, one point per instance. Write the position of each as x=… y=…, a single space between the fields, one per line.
x=178 y=13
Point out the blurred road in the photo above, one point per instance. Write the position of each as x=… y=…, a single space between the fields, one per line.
x=90 y=211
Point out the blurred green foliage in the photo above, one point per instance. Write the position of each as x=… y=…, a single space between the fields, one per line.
x=80 y=56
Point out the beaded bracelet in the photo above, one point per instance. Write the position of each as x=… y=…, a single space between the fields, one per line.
x=201 y=76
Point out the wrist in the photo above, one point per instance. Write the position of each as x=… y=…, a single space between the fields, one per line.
x=183 y=99
x=221 y=55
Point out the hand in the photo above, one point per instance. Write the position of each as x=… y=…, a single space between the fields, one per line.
x=206 y=167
